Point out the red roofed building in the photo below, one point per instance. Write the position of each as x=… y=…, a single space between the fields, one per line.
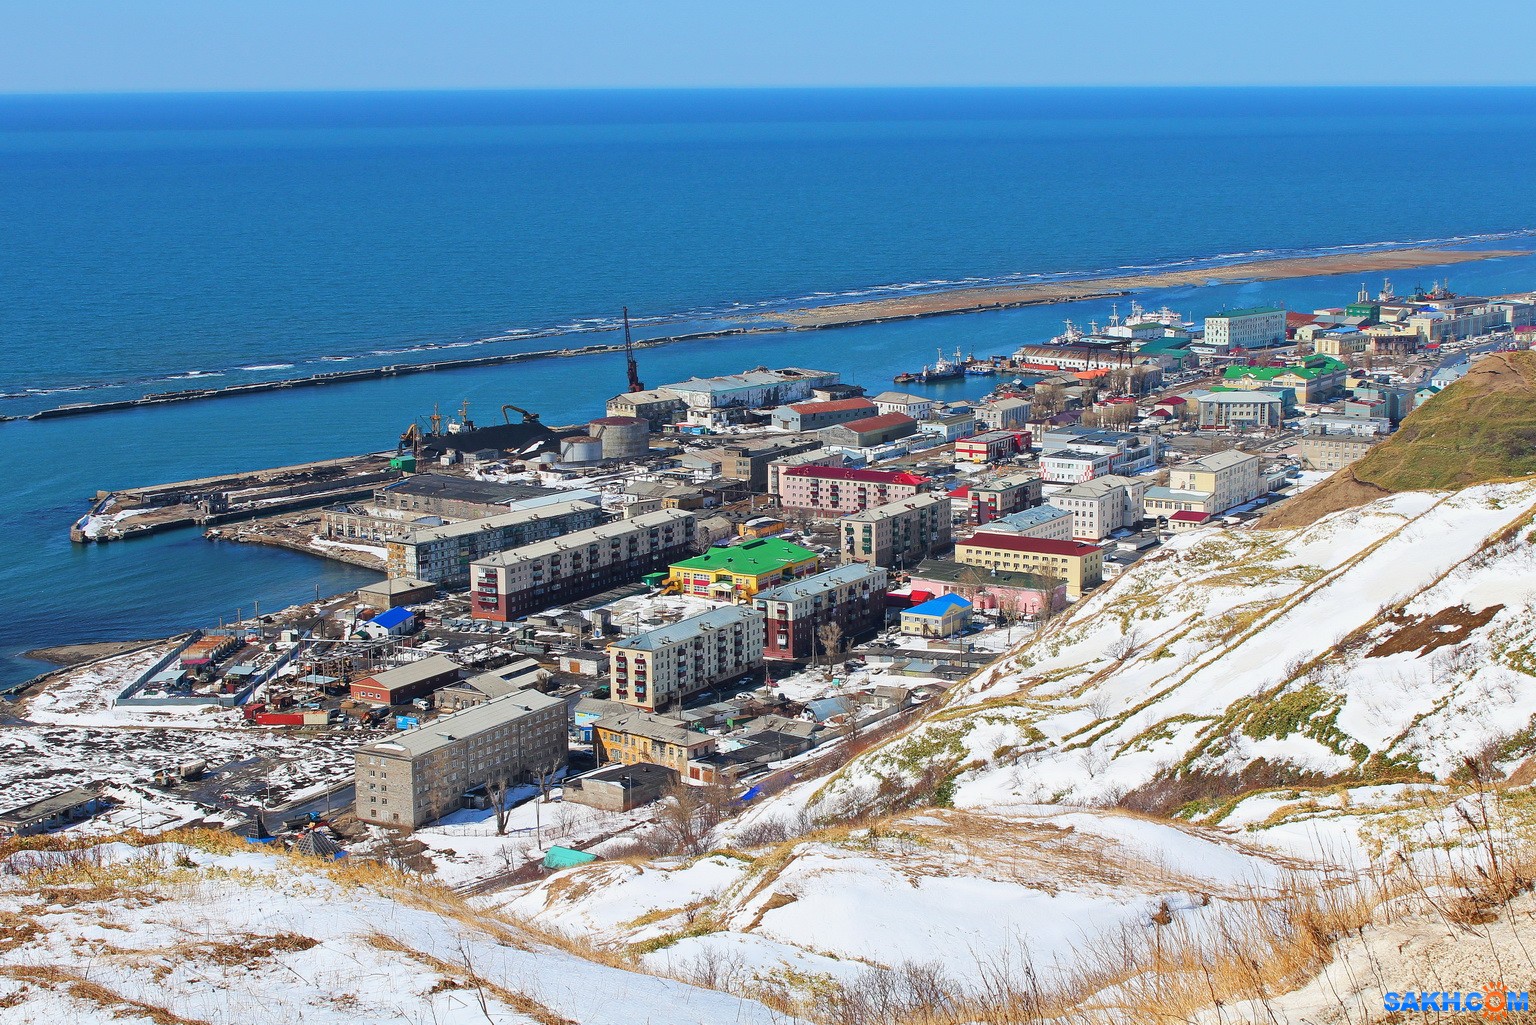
x=1187 y=520
x=837 y=490
x=869 y=432
x=1078 y=565
x=813 y=416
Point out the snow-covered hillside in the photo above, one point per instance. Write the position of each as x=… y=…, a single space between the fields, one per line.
x=180 y=934
x=1392 y=640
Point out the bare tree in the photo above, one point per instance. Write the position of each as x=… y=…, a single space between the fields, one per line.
x=1050 y=399
x=496 y=789
x=688 y=813
x=830 y=635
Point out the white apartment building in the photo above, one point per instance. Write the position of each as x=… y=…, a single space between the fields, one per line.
x=442 y=554
x=1258 y=327
x=1003 y=415
x=422 y=774
x=652 y=669
x=1069 y=466
x=1103 y=505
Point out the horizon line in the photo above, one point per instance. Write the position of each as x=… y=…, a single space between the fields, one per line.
x=1035 y=87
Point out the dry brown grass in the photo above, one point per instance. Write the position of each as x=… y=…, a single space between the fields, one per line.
x=464 y=976
x=84 y=990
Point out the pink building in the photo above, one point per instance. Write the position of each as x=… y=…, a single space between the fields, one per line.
x=836 y=491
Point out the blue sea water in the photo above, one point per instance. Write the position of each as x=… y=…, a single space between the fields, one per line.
x=156 y=242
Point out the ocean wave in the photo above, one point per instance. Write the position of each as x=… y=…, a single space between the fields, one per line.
x=266 y=366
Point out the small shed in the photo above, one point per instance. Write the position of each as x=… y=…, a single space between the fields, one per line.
x=388 y=594
x=395 y=622
x=620 y=787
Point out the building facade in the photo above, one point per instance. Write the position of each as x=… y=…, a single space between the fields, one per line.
x=510 y=584
x=656 y=668
x=991 y=447
x=443 y=554
x=1101 y=506
x=812 y=416
x=1078 y=565
x=422 y=774
x=851 y=596
x=1241 y=411
x=1212 y=484
x=1003 y=415
x=739 y=572
x=869 y=432
x=837 y=491
x=900 y=532
x=1259 y=327
x=1332 y=452
x=1004 y=495
x=749 y=461
x=630 y=738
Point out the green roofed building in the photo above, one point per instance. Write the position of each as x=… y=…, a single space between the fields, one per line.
x=738 y=572
x=1312 y=380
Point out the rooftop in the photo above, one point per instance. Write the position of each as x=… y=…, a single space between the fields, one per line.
x=1251 y=311
x=939 y=606
x=820 y=583
x=463 y=724
x=462 y=489
x=865 y=476
x=874 y=423
x=749 y=379
x=987 y=437
x=415 y=672
x=654 y=727
x=752 y=558
x=886 y=510
x=51 y=806
x=947 y=571
x=1018 y=543
x=687 y=629
x=1007 y=483
x=1219 y=460
x=1026 y=518
x=592 y=535
x=902 y=397
x=580 y=501
x=832 y=406
x=1234 y=398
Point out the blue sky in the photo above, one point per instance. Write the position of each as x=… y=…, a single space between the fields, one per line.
x=202 y=45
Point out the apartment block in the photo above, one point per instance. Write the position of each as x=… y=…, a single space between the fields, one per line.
x=1080 y=566
x=851 y=596
x=1003 y=415
x=510 y=584
x=1332 y=452
x=443 y=554
x=1259 y=327
x=1101 y=506
x=1000 y=496
x=1241 y=411
x=658 y=667
x=1212 y=484
x=420 y=775
x=837 y=491
x=635 y=737
x=749 y=461
x=896 y=533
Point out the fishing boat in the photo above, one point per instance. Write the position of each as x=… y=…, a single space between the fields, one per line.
x=944 y=369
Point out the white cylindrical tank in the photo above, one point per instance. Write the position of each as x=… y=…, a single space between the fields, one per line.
x=581 y=448
x=623 y=437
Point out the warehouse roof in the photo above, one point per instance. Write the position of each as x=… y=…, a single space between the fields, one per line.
x=462 y=489
x=415 y=672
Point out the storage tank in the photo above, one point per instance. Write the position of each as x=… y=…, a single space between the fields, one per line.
x=581 y=448
x=623 y=437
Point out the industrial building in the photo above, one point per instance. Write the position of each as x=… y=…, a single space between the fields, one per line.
x=851 y=596
x=512 y=583
x=658 y=667
x=812 y=416
x=622 y=437
x=752 y=389
x=443 y=554
x=898 y=533
x=869 y=432
x=420 y=775
x=404 y=684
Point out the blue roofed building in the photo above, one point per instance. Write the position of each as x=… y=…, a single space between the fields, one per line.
x=944 y=616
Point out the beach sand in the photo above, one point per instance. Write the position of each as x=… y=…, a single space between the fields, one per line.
x=971 y=300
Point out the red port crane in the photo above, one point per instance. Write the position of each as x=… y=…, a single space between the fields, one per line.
x=629 y=356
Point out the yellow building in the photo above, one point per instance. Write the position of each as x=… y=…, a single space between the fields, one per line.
x=1080 y=566
x=632 y=737
x=738 y=572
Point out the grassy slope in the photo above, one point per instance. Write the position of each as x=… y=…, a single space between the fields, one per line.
x=1480 y=429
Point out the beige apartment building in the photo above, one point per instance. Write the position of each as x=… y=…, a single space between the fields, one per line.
x=657 y=667
x=1211 y=484
x=1332 y=452
x=905 y=531
x=1080 y=566
x=1101 y=506
x=442 y=555
x=422 y=774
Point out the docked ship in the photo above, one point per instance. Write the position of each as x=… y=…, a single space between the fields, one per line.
x=941 y=370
